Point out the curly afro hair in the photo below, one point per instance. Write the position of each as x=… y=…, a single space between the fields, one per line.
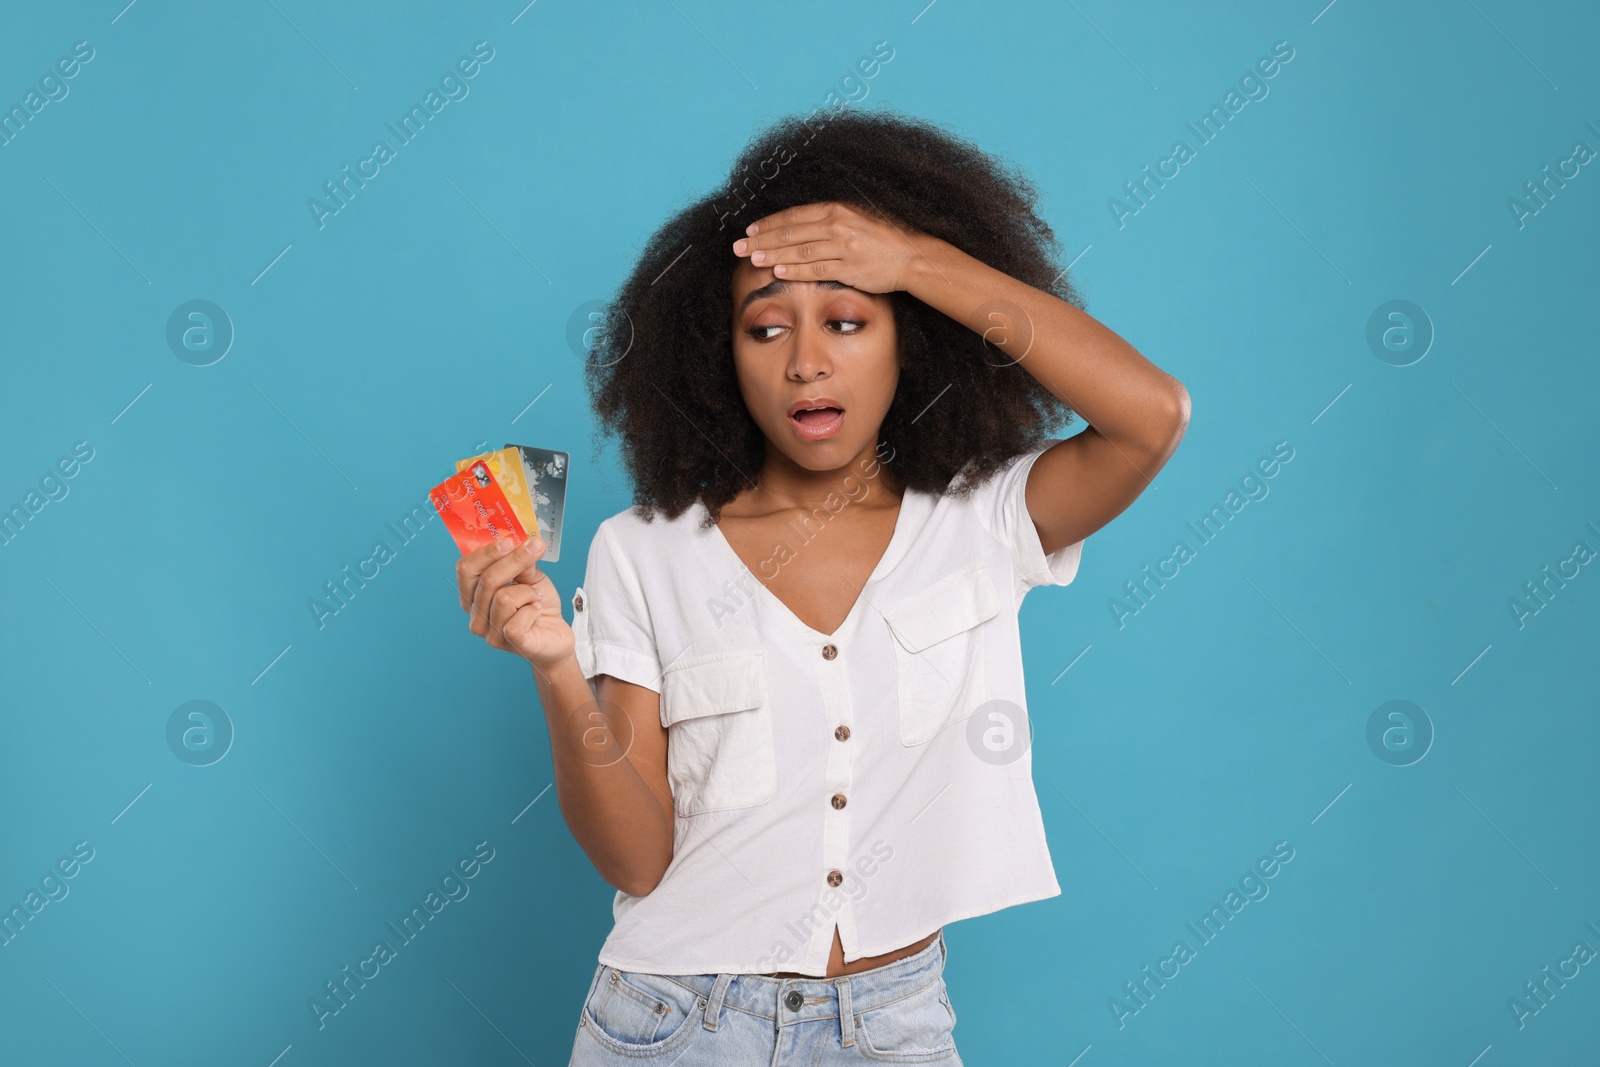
x=661 y=373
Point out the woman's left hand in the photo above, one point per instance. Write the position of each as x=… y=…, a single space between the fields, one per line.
x=830 y=240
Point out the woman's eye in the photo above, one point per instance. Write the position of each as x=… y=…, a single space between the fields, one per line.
x=855 y=326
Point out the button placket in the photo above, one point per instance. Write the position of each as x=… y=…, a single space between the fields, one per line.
x=839 y=776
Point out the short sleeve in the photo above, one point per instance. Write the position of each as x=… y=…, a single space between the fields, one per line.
x=611 y=619
x=1002 y=506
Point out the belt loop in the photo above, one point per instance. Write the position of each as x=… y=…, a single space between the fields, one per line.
x=714 y=1001
x=847 y=1019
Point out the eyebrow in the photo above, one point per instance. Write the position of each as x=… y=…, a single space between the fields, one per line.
x=780 y=285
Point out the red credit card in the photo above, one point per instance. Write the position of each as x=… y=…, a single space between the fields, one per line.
x=475 y=510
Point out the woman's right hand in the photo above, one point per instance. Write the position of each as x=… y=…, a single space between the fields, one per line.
x=512 y=603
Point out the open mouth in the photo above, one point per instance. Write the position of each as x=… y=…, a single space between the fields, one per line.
x=816 y=423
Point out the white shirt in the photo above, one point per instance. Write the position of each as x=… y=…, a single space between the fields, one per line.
x=795 y=755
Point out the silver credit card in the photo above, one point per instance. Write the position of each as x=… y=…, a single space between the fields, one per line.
x=546 y=470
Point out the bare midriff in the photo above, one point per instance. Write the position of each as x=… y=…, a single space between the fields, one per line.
x=837 y=966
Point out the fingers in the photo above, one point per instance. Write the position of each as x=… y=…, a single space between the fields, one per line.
x=812 y=241
x=470 y=566
x=788 y=216
x=509 y=567
x=513 y=611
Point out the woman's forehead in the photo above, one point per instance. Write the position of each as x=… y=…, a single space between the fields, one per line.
x=766 y=284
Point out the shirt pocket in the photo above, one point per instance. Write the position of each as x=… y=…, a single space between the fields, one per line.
x=720 y=750
x=939 y=650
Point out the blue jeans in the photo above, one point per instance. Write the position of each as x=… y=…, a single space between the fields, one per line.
x=896 y=1013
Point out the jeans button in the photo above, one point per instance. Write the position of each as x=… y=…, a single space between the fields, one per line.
x=794 y=1000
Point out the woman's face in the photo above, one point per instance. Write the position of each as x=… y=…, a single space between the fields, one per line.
x=799 y=341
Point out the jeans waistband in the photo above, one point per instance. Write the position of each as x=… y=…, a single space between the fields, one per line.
x=819 y=998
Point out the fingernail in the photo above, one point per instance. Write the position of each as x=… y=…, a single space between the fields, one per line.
x=750 y=229
x=739 y=246
x=503 y=546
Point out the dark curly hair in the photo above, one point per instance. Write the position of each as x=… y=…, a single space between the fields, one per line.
x=661 y=373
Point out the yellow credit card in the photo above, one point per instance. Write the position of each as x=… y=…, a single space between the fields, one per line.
x=506 y=466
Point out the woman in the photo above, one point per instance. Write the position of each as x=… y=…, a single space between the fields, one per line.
x=805 y=746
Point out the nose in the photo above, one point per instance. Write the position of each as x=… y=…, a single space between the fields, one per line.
x=809 y=358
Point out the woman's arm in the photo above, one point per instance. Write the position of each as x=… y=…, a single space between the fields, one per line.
x=1137 y=413
x=607 y=744
x=613 y=794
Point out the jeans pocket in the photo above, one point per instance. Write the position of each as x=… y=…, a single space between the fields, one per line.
x=919 y=1028
x=640 y=1014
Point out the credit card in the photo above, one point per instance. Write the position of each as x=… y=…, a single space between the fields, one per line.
x=546 y=473
x=506 y=466
x=475 y=510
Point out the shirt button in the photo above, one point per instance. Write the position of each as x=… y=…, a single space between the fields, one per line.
x=829 y=651
x=793 y=1000
x=841 y=732
x=577 y=602
x=834 y=878
x=838 y=800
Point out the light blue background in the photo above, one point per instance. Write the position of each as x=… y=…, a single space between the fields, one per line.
x=1227 y=715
